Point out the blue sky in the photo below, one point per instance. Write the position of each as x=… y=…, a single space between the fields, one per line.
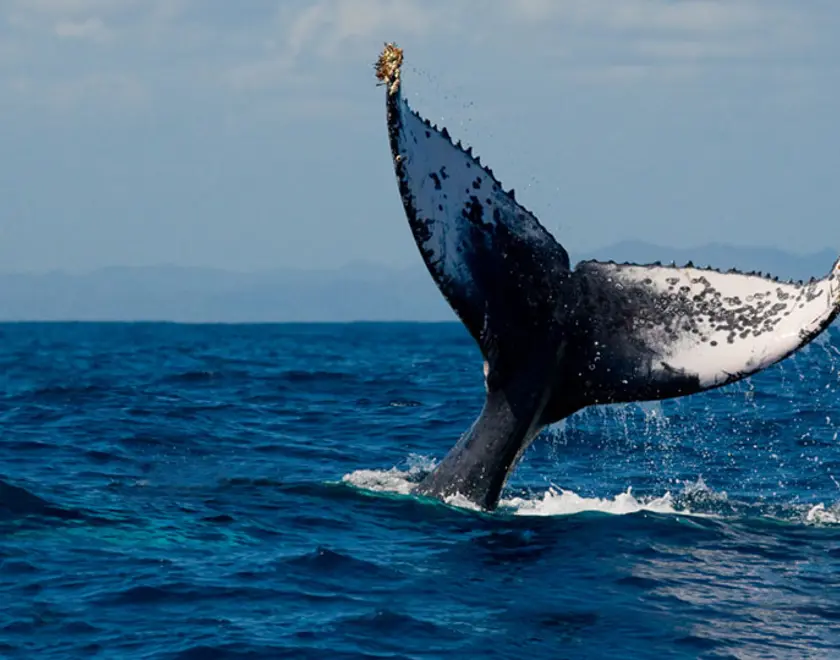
x=251 y=135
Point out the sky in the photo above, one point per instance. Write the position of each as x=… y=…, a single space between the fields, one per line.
x=251 y=135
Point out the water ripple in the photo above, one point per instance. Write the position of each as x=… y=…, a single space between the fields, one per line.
x=246 y=492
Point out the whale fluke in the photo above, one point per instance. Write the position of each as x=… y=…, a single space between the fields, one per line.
x=556 y=339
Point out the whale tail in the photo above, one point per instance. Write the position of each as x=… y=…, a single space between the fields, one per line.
x=557 y=339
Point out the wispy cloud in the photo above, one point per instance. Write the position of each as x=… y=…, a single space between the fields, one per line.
x=681 y=15
x=663 y=34
x=328 y=26
x=92 y=29
x=61 y=8
x=670 y=18
x=98 y=91
x=37 y=31
x=119 y=90
x=612 y=41
x=285 y=43
x=322 y=33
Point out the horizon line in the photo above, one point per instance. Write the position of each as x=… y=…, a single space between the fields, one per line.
x=356 y=263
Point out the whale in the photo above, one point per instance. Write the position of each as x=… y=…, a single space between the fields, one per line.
x=555 y=338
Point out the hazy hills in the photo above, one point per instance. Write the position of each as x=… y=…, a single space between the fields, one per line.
x=356 y=292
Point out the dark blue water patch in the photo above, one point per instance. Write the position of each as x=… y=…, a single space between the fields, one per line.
x=321 y=378
x=176 y=491
x=170 y=593
x=16 y=501
x=61 y=394
x=324 y=560
x=13 y=567
x=406 y=633
x=200 y=376
x=294 y=650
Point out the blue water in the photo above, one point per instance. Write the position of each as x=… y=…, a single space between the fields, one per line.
x=174 y=491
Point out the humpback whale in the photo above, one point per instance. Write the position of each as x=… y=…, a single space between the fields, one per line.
x=556 y=338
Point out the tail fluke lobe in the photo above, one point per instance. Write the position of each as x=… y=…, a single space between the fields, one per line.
x=671 y=331
x=482 y=248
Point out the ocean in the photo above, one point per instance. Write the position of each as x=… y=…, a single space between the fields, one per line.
x=243 y=491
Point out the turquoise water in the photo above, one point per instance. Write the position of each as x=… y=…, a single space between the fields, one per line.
x=172 y=491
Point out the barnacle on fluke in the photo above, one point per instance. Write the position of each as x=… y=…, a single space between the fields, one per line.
x=557 y=338
x=388 y=66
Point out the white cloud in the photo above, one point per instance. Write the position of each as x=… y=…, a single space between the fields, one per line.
x=119 y=90
x=675 y=50
x=646 y=15
x=616 y=35
x=64 y=79
x=311 y=44
x=102 y=91
x=61 y=8
x=332 y=30
x=673 y=30
x=90 y=29
x=82 y=18
x=327 y=26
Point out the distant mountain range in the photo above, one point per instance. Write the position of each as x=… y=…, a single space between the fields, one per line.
x=358 y=292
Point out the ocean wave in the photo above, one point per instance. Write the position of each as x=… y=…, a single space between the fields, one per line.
x=330 y=562
x=401 y=624
x=299 y=376
x=228 y=530
x=181 y=592
x=291 y=651
x=63 y=393
x=196 y=376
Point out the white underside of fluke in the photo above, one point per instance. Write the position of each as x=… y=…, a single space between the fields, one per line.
x=721 y=326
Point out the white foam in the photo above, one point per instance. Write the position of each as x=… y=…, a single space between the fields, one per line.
x=380 y=481
x=553 y=502
x=401 y=482
x=562 y=502
x=819 y=515
x=461 y=502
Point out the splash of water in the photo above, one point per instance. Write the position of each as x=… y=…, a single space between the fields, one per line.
x=820 y=515
x=696 y=499
x=561 y=502
x=553 y=502
x=400 y=482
